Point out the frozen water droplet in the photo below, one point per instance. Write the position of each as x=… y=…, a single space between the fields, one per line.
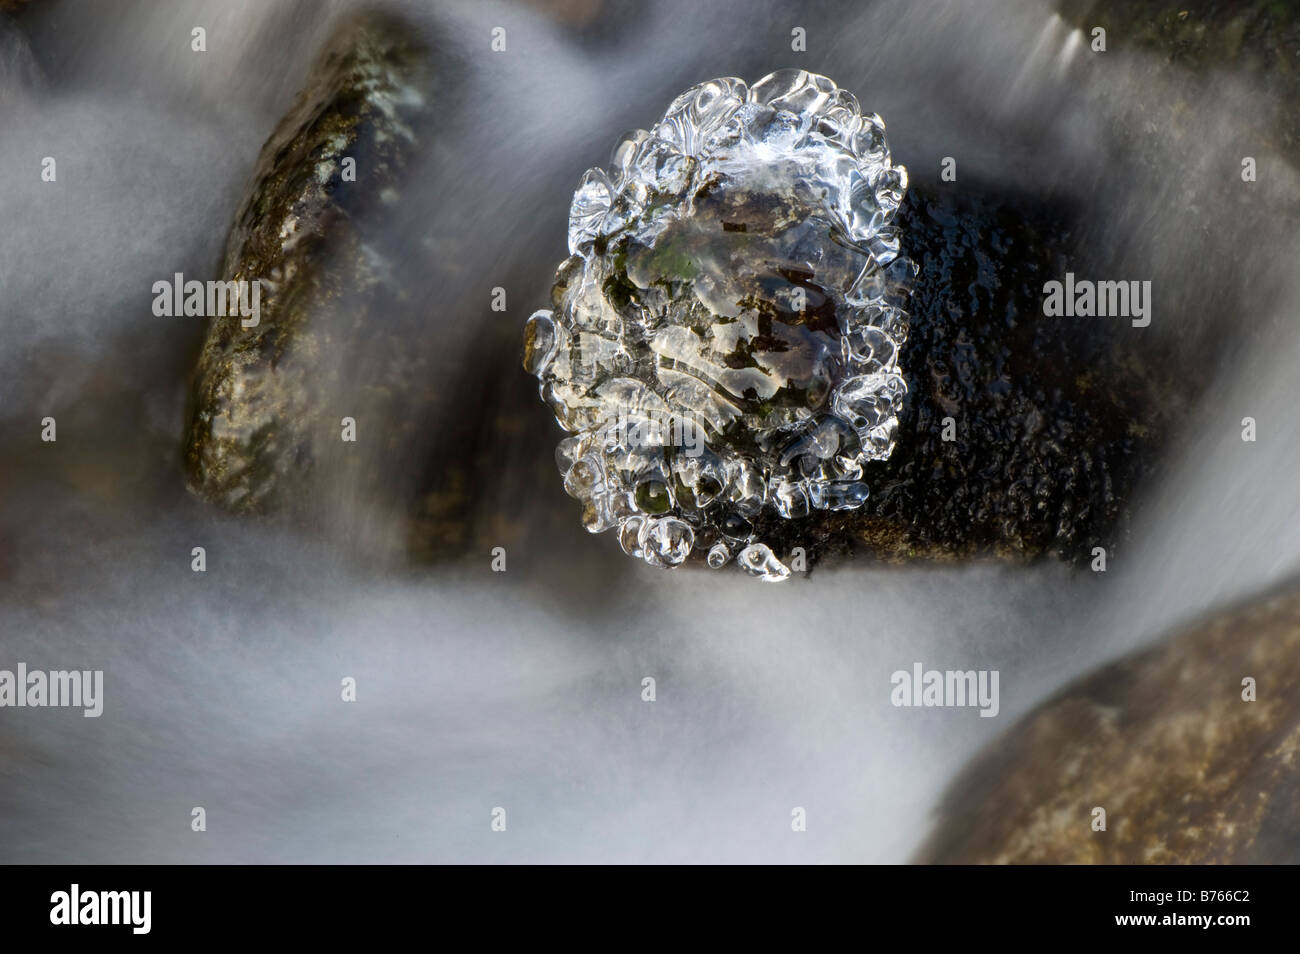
x=587 y=213
x=718 y=555
x=584 y=478
x=566 y=452
x=539 y=342
x=629 y=536
x=838 y=496
x=758 y=560
x=665 y=541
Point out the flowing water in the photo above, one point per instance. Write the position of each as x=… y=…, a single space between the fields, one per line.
x=523 y=689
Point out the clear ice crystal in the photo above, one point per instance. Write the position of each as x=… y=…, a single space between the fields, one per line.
x=724 y=336
x=758 y=560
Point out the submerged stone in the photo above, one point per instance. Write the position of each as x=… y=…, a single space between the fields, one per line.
x=268 y=401
x=1191 y=763
x=370 y=311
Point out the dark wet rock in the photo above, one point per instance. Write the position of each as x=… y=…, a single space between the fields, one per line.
x=1186 y=770
x=1255 y=35
x=268 y=401
x=367 y=314
x=1055 y=421
x=1255 y=38
x=484 y=480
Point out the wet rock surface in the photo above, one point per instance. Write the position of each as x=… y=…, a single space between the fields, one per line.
x=1052 y=422
x=1260 y=39
x=1186 y=770
x=365 y=317
x=335 y=323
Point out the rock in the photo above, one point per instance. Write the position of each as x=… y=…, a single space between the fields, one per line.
x=1187 y=772
x=334 y=331
x=1257 y=38
x=368 y=314
x=481 y=480
x=1054 y=422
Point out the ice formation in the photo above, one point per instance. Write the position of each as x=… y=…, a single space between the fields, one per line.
x=725 y=333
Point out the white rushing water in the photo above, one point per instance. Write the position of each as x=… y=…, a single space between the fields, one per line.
x=523 y=689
